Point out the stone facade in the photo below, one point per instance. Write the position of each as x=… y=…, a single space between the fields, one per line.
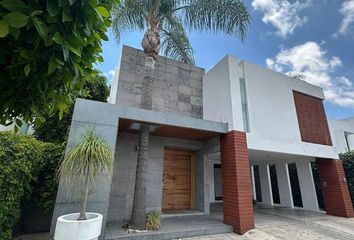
x=177 y=86
x=122 y=190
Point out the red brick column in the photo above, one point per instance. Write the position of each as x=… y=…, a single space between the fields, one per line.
x=236 y=182
x=334 y=188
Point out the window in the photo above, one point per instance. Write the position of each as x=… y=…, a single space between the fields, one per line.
x=217 y=182
x=246 y=125
x=346 y=136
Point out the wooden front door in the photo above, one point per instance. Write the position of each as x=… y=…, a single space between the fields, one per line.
x=179 y=184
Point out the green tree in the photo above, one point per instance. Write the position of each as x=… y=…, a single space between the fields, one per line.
x=48 y=46
x=56 y=130
x=164 y=23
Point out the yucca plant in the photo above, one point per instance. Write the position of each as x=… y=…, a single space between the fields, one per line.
x=153 y=220
x=82 y=165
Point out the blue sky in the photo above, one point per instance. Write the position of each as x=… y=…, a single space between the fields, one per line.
x=315 y=38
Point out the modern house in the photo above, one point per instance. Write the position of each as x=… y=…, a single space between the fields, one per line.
x=208 y=133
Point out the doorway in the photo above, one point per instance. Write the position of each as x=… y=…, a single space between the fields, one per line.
x=178 y=192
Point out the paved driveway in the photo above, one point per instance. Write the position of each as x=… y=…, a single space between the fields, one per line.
x=282 y=223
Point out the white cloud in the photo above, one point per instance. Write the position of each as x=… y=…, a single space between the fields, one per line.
x=347 y=11
x=110 y=75
x=312 y=61
x=282 y=14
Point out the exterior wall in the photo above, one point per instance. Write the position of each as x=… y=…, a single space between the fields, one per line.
x=177 y=86
x=221 y=93
x=123 y=183
x=24 y=129
x=339 y=129
x=105 y=125
x=312 y=119
x=273 y=124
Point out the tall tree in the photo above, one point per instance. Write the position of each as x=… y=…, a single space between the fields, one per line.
x=56 y=130
x=47 y=48
x=165 y=23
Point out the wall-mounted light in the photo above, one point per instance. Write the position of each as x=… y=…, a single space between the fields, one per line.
x=136 y=126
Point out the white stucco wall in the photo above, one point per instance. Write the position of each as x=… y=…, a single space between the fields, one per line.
x=114 y=88
x=219 y=101
x=24 y=129
x=340 y=128
x=273 y=124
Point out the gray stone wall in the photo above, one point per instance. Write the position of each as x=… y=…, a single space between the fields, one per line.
x=105 y=126
x=123 y=182
x=177 y=86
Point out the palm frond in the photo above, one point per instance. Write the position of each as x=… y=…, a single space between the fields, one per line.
x=83 y=164
x=298 y=76
x=168 y=6
x=128 y=15
x=228 y=16
x=174 y=40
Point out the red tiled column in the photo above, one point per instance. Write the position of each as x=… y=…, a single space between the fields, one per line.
x=334 y=188
x=236 y=182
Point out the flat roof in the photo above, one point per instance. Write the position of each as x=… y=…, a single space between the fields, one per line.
x=165 y=124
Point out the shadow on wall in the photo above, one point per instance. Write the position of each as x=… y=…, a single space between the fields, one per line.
x=295 y=185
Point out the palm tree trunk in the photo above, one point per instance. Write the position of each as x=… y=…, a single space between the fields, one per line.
x=139 y=206
x=151 y=46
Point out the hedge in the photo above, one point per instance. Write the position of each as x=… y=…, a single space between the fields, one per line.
x=27 y=176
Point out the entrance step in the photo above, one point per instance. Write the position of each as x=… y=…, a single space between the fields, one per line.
x=173 y=228
x=186 y=213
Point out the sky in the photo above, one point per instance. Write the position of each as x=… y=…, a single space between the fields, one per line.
x=312 y=37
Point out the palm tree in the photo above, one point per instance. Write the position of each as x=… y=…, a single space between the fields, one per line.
x=164 y=23
x=298 y=76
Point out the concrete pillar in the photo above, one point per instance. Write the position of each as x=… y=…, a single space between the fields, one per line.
x=253 y=184
x=266 y=186
x=284 y=186
x=307 y=186
x=334 y=188
x=236 y=182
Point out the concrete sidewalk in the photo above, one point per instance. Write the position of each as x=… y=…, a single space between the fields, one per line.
x=282 y=223
x=271 y=224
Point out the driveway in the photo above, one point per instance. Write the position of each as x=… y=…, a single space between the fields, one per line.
x=282 y=223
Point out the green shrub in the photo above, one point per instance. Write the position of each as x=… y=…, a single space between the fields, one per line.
x=348 y=164
x=25 y=166
x=44 y=188
x=153 y=220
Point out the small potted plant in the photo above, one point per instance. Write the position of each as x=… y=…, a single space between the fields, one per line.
x=81 y=167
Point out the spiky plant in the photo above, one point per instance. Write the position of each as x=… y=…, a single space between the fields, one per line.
x=83 y=164
x=165 y=23
x=153 y=220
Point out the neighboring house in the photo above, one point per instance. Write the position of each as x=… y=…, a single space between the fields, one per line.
x=208 y=132
x=24 y=129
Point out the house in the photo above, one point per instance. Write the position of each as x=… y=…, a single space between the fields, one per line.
x=209 y=131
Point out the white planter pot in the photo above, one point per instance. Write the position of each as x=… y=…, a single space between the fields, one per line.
x=69 y=228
